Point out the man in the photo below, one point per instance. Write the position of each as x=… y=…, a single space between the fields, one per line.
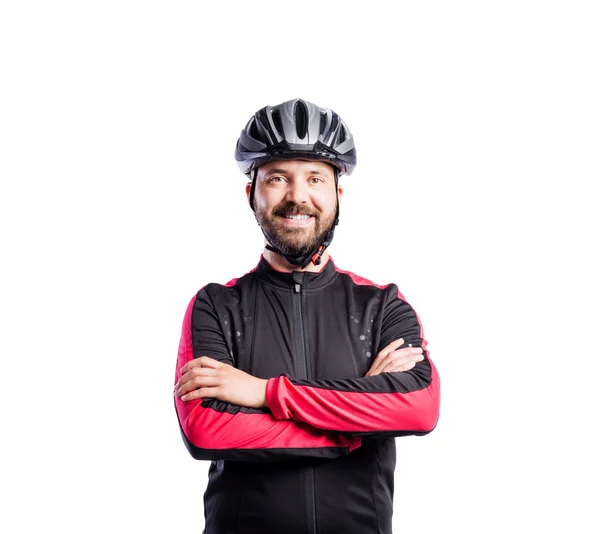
x=295 y=379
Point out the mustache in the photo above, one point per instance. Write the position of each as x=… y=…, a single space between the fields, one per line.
x=284 y=211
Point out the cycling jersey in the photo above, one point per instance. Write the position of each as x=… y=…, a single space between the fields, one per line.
x=321 y=458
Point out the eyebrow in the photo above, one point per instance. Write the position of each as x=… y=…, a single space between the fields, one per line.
x=283 y=171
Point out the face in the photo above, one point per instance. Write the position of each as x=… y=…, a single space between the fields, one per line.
x=295 y=203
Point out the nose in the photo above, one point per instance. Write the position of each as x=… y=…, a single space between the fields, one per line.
x=297 y=192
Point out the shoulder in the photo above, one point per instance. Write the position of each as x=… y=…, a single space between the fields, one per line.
x=390 y=292
x=230 y=292
x=357 y=280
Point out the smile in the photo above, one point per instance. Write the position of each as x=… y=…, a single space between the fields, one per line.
x=296 y=220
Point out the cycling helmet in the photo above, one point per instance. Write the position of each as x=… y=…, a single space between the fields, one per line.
x=296 y=129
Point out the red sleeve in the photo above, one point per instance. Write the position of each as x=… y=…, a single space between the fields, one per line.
x=214 y=430
x=384 y=405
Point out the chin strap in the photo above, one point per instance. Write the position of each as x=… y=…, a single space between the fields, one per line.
x=316 y=255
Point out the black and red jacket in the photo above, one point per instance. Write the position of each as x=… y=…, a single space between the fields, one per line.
x=320 y=459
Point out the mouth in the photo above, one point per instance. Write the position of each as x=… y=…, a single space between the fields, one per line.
x=296 y=220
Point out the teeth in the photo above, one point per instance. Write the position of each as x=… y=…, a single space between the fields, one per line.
x=297 y=217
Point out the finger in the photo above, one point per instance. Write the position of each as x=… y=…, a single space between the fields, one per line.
x=406 y=352
x=404 y=356
x=208 y=377
x=397 y=358
x=196 y=394
x=384 y=358
x=192 y=385
x=384 y=352
x=390 y=347
x=393 y=367
x=194 y=372
x=377 y=366
x=407 y=359
x=406 y=366
x=203 y=393
x=202 y=361
x=196 y=362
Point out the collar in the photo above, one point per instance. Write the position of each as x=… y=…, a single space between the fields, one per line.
x=308 y=280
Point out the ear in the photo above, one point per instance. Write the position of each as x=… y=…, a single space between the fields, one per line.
x=340 y=191
x=248 y=189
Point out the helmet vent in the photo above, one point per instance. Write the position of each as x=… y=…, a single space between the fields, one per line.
x=265 y=122
x=323 y=123
x=301 y=119
x=276 y=116
x=253 y=130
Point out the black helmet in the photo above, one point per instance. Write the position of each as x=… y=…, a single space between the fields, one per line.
x=295 y=129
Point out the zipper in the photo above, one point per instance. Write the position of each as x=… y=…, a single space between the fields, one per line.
x=298 y=277
x=299 y=323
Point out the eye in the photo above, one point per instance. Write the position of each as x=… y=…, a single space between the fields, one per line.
x=275 y=180
x=315 y=180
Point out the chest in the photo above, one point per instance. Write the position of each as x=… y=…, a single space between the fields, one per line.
x=332 y=333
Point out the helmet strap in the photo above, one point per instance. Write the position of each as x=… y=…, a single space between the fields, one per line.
x=252 y=175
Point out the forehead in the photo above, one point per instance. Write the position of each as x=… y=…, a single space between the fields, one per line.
x=297 y=166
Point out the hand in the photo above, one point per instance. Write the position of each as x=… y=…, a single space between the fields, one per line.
x=206 y=377
x=392 y=359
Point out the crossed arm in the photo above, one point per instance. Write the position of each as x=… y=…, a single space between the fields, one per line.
x=223 y=410
x=206 y=377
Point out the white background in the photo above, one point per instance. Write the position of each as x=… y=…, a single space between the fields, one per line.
x=477 y=130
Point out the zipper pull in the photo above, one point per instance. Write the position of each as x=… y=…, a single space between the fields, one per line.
x=297 y=277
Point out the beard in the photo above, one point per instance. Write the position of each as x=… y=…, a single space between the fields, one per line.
x=294 y=241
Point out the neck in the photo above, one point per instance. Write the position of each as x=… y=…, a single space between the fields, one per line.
x=279 y=263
